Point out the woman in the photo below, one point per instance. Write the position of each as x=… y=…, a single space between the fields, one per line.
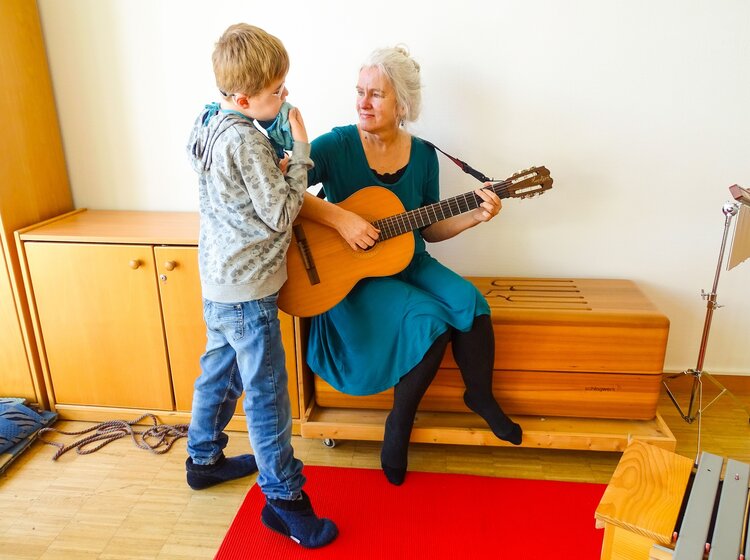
x=393 y=331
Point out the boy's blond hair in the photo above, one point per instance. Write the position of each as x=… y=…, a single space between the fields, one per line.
x=247 y=59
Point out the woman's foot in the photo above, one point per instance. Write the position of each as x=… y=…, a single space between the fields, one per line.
x=394 y=475
x=393 y=455
x=502 y=426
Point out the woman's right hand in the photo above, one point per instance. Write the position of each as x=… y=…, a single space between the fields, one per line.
x=356 y=231
x=299 y=133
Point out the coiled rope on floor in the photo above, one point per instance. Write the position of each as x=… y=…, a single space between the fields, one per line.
x=157 y=438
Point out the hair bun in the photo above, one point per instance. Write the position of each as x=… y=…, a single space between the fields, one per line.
x=402 y=49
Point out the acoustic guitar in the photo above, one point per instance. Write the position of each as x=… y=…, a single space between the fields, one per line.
x=322 y=268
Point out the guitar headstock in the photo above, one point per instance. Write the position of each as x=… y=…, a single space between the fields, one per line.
x=527 y=183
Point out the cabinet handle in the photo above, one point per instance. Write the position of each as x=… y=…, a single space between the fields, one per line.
x=170 y=265
x=135 y=263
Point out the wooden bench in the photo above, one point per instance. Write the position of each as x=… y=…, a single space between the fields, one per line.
x=578 y=349
x=564 y=347
x=641 y=509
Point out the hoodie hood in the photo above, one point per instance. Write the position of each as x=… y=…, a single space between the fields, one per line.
x=208 y=127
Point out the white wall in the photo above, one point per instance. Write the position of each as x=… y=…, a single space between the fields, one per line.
x=639 y=109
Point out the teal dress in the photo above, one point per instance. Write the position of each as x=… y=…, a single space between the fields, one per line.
x=384 y=327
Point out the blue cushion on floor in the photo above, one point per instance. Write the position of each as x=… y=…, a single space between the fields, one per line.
x=17 y=421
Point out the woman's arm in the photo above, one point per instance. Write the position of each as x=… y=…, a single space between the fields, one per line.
x=356 y=231
x=445 y=229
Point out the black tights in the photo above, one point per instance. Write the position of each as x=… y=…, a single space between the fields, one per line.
x=406 y=396
x=474 y=352
x=475 y=355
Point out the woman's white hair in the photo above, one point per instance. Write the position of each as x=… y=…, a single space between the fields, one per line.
x=403 y=72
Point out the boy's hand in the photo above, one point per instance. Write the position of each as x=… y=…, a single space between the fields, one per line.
x=299 y=133
x=284 y=164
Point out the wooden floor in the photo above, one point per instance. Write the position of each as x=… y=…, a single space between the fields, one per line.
x=126 y=503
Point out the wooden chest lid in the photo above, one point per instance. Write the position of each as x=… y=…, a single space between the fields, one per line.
x=568 y=301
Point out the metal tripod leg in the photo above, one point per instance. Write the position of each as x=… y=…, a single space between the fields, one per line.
x=694 y=412
x=724 y=390
x=696 y=392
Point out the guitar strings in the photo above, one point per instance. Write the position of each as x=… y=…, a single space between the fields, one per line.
x=393 y=226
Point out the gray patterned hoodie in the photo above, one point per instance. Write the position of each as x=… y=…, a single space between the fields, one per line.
x=246 y=206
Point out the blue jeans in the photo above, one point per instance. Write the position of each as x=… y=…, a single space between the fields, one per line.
x=244 y=352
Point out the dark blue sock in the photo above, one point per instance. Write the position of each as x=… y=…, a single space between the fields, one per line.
x=297 y=520
x=203 y=476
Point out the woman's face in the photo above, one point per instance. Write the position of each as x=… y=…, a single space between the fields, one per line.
x=376 y=102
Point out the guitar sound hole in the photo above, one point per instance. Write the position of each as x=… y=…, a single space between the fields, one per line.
x=366 y=254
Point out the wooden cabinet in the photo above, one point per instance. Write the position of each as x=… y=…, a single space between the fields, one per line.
x=118 y=312
x=98 y=306
x=33 y=184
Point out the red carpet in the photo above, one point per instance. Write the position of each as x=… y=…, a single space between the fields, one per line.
x=431 y=516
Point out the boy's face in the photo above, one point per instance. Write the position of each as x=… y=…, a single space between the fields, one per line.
x=266 y=104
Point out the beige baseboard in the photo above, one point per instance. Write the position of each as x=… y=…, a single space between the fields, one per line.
x=103 y=414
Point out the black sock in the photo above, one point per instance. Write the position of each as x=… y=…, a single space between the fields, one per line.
x=474 y=352
x=393 y=455
x=500 y=424
x=406 y=397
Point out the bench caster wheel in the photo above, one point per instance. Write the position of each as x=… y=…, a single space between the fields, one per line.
x=328 y=442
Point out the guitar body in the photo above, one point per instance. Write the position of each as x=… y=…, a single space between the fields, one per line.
x=322 y=268
x=337 y=266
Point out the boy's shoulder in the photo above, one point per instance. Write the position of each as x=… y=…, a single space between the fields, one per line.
x=220 y=132
x=230 y=130
x=239 y=127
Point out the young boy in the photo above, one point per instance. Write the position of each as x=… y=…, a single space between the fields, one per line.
x=247 y=206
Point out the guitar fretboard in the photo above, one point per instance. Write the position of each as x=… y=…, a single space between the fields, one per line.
x=396 y=225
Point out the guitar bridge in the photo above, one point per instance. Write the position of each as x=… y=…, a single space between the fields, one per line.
x=306 y=254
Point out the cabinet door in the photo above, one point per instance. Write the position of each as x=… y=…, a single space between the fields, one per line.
x=100 y=318
x=182 y=307
x=179 y=285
